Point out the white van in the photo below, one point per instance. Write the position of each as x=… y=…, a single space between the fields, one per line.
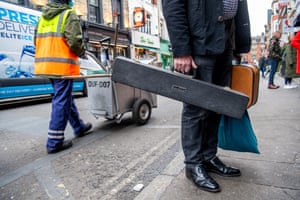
x=17 y=81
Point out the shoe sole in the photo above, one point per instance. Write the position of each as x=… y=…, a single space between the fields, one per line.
x=202 y=188
x=87 y=132
x=58 y=150
x=224 y=175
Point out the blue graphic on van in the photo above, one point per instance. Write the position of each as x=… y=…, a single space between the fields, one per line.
x=18 y=69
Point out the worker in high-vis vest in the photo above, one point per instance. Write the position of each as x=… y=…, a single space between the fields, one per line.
x=58 y=41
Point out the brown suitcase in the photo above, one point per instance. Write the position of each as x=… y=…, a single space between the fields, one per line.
x=245 y=79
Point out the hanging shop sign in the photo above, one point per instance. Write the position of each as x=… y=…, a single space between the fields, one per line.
x=139 y=17
x=282 y=3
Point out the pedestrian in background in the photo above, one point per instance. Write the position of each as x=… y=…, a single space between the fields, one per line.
x=58 y=42
x=274 y=58
x=283 y=60
x=201 y=37
x=290 y=70
x=262 y=63
x=296 y=44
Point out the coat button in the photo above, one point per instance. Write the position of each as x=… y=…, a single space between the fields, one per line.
x=220 y=18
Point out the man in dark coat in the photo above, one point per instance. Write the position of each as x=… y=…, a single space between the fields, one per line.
x=205 y=34
x=274 y=58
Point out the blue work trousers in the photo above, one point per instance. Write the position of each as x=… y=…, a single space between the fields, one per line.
x=63 y=111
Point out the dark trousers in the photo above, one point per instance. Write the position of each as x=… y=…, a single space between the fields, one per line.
x=263 y=69
x=199 y=126
x=63 y=111
x=274 y=65
x=287 y=81
x=199 y=131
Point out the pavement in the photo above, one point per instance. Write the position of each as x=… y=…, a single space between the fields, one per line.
x=272 y=174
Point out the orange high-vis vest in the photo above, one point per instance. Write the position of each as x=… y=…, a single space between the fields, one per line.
x=53 y=56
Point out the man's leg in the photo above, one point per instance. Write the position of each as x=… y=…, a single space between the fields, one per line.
x=222 y=77
x=194 y=129
x=274 y=64
x=59 y=115
x=263 y=68
x=74 y=119
x=199 y=126
x=79 y=127
x=194 y=119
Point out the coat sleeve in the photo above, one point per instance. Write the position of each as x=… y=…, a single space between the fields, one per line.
x=296 y=41
x=242 y=33
x=290 y=56
x=73 y=34
x=174 y=12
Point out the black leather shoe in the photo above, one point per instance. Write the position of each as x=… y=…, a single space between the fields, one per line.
x=201 y=179
x=217 y=166
x=65 y=145
x=87 y=130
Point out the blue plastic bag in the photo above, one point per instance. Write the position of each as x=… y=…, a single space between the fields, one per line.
x=237 y=134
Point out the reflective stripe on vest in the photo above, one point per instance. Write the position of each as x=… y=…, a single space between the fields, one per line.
x=53 y=56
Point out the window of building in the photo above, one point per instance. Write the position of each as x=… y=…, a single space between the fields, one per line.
x=117 y=12
x=94 y=11
x=19 y=2
x=107 y=13
x=33 y=4
x=147 y=27
x=125 y=14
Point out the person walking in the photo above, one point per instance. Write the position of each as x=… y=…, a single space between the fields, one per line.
x=58 y=42
x=296 y=44
x=262 y=63
x=201 y=33
x=274 y=58
x=290 y=69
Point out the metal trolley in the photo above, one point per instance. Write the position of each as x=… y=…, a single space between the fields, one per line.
x=112 y=100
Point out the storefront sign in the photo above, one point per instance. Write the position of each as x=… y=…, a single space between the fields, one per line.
x=143 y=39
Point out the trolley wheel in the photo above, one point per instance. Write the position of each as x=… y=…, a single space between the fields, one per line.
x=141 y=112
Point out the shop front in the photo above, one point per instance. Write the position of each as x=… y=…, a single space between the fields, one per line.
x=145 y=48
x=166 y=55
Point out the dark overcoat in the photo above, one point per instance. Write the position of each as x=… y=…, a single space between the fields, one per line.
x=296 y=44
x=196 y=27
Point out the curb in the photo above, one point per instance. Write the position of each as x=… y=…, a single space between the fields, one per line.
x=158 y=186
